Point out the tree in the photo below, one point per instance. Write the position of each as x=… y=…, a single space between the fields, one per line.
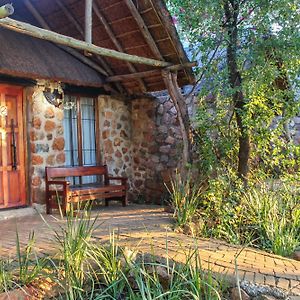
x=245 y=47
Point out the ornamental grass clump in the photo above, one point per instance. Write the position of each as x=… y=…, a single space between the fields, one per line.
x=148 y=277
x=184 y=196
x=276 y=214
x=25 y=268
x=265 y=215
x=74 y=242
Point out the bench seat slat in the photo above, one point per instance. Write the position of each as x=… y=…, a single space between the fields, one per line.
x=104 y=189
x=113 y=195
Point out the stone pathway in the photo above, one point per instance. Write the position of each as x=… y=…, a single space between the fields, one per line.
x=147 y=228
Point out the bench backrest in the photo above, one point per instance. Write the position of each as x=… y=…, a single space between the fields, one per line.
x=59 y=172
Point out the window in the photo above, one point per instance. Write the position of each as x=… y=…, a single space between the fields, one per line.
x=80 y=130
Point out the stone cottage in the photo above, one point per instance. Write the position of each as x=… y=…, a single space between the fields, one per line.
x=61 y=106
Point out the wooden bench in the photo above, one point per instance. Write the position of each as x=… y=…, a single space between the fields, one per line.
x=59 y=189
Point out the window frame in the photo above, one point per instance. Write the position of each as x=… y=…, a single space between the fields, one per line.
x=78 y=97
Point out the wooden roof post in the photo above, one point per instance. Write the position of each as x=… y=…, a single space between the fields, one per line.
x=170 y=79
x=88 y=20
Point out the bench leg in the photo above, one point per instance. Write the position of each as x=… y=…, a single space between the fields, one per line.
x=106 y=202
x=124 y=201
x=48 y=205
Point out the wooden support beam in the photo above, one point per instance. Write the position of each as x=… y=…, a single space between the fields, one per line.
x=6 y=10
x=117 y=44
x=144 y=30
x=170 y=79
x=142 y=12
x=105 y=67
x=125 y=77
x=71 y=51
x=57 y=38
x=88 y=28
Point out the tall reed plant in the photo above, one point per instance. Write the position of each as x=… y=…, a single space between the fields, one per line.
x=74 y=241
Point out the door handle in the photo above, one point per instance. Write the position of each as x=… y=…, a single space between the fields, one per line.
x=13 y=145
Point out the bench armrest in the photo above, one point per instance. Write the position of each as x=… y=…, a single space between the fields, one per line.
x=57 y=182
x=122 y=179
x=64 y=183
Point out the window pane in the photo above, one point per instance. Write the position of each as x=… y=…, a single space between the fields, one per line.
x=87 y=106
x=88 y=131
x=70 y=133
x=88 y=136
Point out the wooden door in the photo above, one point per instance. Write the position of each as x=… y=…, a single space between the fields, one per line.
x=12 y=154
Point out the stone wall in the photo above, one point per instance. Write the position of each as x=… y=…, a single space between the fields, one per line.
x=140 y=140
x=46 y=147
x=156 y=146
x=115 y=136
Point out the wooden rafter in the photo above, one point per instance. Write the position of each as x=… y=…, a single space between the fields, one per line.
x=160 y=8
x=71 y=18
x=143 y=28
x=117 y=44
x=124 y=77
x=100 y=59
x=71 y=51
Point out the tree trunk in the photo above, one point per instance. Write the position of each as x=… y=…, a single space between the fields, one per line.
x=231 y=9
x=170 y=80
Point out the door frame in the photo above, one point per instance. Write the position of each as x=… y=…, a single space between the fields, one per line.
x=26 y=126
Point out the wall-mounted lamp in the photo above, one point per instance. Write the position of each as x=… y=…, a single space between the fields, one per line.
x=51 y=91
x=53 y=97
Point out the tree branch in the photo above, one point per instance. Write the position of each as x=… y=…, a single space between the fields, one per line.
x=205 y=68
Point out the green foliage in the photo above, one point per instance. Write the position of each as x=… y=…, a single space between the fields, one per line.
x=73 y=238
x=268 y=60
x=6 y=282
x=276 y=213
x=24 y=269
x=29 y=265
x=112 y=264
x=184 y=199
x=266 y=215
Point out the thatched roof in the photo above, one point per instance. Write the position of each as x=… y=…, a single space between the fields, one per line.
x=27 y=57
x=125 y=19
